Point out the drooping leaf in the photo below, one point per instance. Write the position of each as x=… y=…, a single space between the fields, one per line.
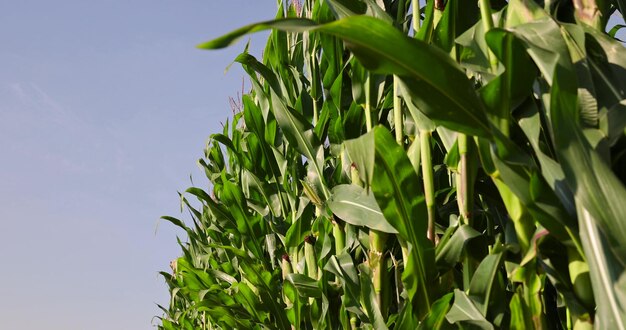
x=436 y=84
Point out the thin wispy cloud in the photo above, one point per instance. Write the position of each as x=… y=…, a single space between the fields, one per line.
x=30 y=99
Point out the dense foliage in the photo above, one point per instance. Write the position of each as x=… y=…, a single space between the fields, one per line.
x=459 y=165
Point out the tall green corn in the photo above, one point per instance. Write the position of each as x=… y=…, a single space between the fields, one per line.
x=315 y=215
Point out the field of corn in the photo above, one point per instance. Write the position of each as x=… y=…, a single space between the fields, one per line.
x=396 y=166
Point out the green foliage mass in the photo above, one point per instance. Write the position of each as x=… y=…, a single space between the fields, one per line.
x=459 y=165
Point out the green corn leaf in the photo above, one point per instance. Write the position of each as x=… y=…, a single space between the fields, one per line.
x=368 y=298
x=613 y=122
x=605 y=271
x=300 y=228
x=354 y=205
x=253 y=65
x=530 y=123
x=402 y=202
x=616 y=28
x=301 y=135
x=436 y=319
x=421 y=121
x=250 y=301
x=425 y=33
x=513 y=85
x=517 y=169
x=305 y=286
x=271 y=197
x=219 y=211
x=474 y=51
x=436 y=84
x=263 y=281
x=607 y=60
x=449 y=252
x=361 y=151
x=481 y=286
x=178 y=223
x=233 y=198
x=466 y=313
x=343 y=267
x=597 y=190
x=590 y=178
x=345 y=8
x=226 y=141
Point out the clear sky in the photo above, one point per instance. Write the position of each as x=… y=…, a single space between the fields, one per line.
x=105 y=107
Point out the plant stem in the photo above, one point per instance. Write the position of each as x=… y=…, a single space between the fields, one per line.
x=465 y=191
x=353 y=322
x=377 y=239
x=368 y=104
x=397 y=113
x=487 y=19
x=425 y=152
x=429 y=182
x=416 y=16
x=339 y=235
x=285 y=265
x=464 y=200
x=439 y=8
x=315 y=112
x=377 y=264
x=309 y=257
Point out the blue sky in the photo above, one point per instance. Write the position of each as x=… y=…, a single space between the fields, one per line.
x=105 y=107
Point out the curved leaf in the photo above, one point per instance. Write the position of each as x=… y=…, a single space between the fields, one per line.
x=437 y=85
x=355 y=206
x=450 y=251
x=465 y=312
x=305 y=286
x=482 y=281
x=436 y=319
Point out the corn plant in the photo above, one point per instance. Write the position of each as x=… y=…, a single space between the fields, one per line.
x=397 y=166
